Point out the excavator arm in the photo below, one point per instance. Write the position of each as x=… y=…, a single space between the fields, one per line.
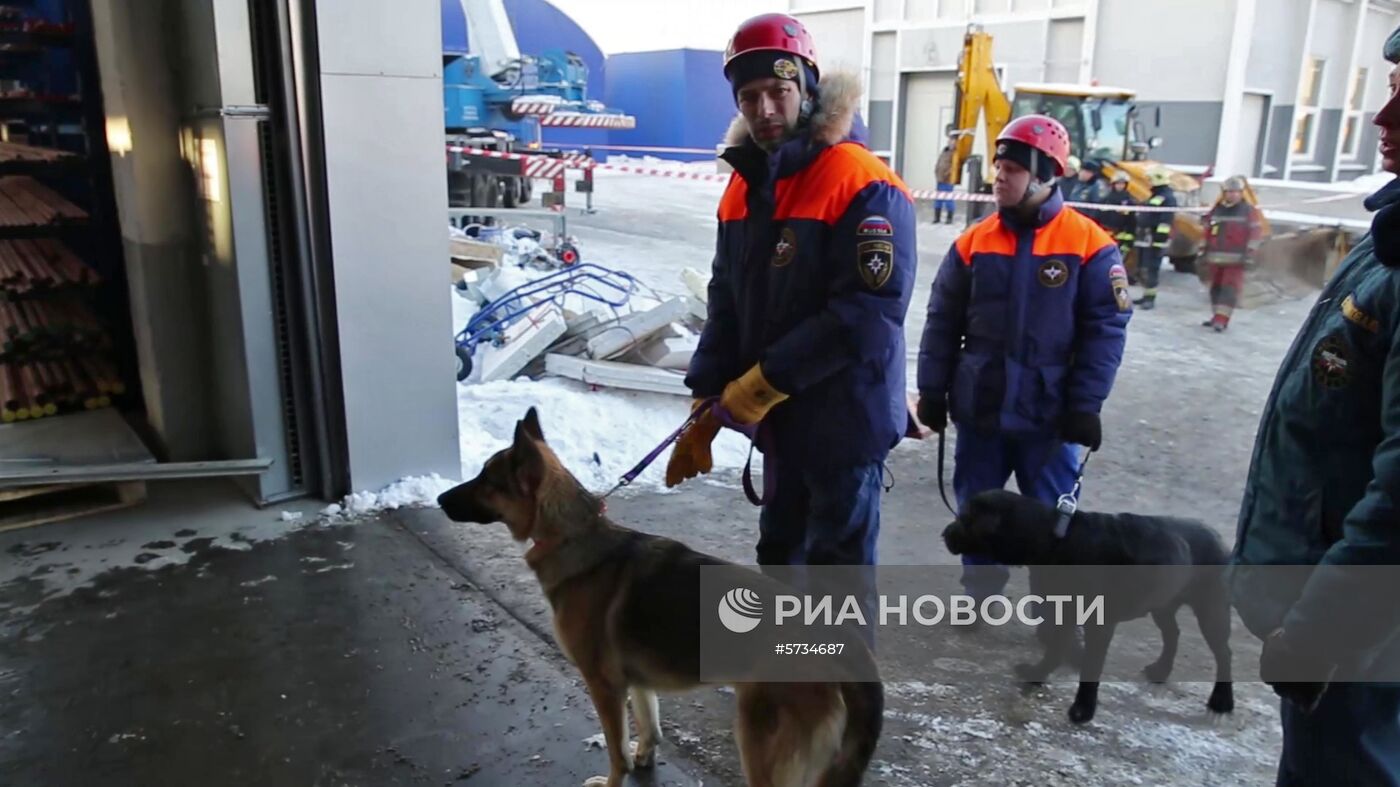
x=977 y=91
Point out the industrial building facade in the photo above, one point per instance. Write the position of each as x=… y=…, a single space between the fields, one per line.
x=1272 y=88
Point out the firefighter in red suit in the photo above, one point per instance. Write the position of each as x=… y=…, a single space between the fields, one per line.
x=1233 y=230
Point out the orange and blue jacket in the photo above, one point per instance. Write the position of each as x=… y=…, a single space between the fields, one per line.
x=1026 y=321
x=813 y=273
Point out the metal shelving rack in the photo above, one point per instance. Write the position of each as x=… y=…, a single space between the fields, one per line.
x=57 y=352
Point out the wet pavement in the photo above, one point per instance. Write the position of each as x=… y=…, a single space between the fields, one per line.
x=343 y=655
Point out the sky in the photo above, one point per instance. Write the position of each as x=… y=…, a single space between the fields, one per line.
x=642 y=25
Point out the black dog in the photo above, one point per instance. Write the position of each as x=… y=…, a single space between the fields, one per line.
x=1175 y=562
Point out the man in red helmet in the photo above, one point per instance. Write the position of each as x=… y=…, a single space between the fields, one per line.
x=1026 y=325
x=813 y=272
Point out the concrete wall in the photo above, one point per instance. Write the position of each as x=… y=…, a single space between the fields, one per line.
x=1190 y=55
x=382 y=113
x=1279 y=138
x=839 y=37
x=1189 y=130
x=1276 y=49
x=881 y=87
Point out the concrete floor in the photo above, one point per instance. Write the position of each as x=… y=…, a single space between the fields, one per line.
x=347 y=655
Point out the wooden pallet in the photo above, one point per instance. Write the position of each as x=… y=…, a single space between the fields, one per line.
x=38 y=505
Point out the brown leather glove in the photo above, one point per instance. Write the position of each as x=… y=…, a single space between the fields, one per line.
x=691 y=455
x=750 y=397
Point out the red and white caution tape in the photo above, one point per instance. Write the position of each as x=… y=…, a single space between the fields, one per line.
x=549 y=166
x=656 y=172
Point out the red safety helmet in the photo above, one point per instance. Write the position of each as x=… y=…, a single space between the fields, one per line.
x=1042 y=133
x=778 y=32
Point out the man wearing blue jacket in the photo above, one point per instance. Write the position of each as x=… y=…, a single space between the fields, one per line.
x=1026 y=325
x=813 y=272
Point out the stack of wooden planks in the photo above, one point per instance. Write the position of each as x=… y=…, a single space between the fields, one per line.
x=35 y=267
x=35 y=390
x=25 y=202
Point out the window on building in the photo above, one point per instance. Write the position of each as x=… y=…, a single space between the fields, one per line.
x=1305 y=114
x=1353 y=115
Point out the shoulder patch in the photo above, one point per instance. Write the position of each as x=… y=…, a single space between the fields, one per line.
x=1118 y=280
x=875 y=226
x=1356 y=315
x=875 y=261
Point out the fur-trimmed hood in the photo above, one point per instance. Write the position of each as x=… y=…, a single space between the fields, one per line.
x=839 y=97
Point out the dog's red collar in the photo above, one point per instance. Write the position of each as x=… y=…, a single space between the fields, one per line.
x=540 y=548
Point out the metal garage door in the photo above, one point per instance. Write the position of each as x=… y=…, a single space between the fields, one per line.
x=926 y=109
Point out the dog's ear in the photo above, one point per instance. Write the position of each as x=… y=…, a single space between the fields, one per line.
x=532 y=424
x=526 y=461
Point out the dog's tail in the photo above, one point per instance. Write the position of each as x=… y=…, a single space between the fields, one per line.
x=865 y=714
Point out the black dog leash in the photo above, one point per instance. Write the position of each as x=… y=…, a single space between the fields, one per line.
x=1069 y=501
x=942 y=492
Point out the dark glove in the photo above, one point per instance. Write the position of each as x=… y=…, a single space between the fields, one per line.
x=1082 y=428
x=1281 y=665
x=933 y=411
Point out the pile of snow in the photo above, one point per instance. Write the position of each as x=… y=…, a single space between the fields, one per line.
x=704 y=167
x=406 y=493
x=598 y=435
x=1373 y=182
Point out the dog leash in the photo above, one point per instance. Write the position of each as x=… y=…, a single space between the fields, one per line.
x=631 y=475
x=942 y=491
x=757 y=438
x=1069 y=501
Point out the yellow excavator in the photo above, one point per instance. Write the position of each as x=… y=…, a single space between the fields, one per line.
x=1104 y=130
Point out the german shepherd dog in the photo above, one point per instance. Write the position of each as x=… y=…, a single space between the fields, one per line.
x=1182 y=563
x=626 y=613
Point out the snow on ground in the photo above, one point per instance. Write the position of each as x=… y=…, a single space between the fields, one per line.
x=706 y=167
x=87 y=549
x=405 y=493
x=1362 y=185
x=1373 y=182
x=601 y=434
x=598 y=435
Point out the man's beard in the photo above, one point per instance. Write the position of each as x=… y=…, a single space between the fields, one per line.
x=770 y=145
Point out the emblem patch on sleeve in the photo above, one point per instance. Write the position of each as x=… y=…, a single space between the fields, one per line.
x=1118 y=280
x=1359 y=316
x=875 y=261
x=785 y=249
x=875 y=227
x=1331 y=362
x=1053 y=273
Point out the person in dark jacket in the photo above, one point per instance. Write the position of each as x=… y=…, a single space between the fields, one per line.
x=1323 y=493
x=1085 y=186
x=1153 y=233
x=812 y=276
x=1233 y=232
x=1120 y=224
x=1026 y=324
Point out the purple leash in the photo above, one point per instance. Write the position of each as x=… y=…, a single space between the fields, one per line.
x=757 y=437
